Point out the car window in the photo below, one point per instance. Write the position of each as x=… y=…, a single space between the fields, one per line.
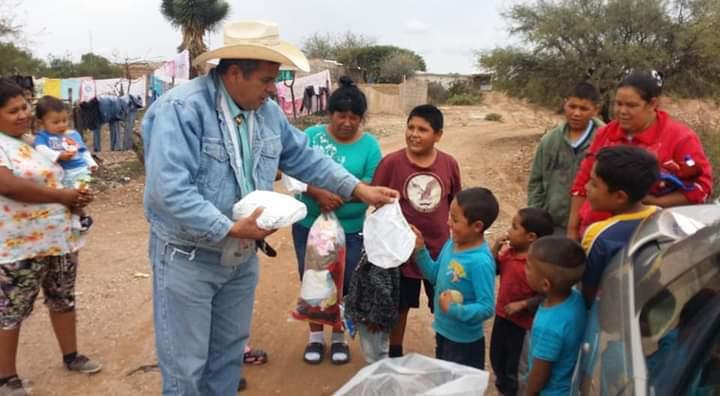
x=705 y=380
x=677 y=322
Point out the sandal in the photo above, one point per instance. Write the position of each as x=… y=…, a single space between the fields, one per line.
x=255 y=357
x=314 y=348
x=340 y=348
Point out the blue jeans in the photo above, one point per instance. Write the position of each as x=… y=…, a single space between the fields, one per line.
x=115 y=138
x=466 y=353
x=202 y=314
x=129 y=128
x=353 y=251
x=97 y=139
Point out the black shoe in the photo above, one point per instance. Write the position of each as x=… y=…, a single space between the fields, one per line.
x=339 y=348
x=315 y=348
x=242 y=385
x=86 y=222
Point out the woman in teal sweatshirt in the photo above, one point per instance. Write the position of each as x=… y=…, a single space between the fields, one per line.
x=359 y=153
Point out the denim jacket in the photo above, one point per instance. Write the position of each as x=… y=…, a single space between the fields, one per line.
x=111 y=108
x=191 y=173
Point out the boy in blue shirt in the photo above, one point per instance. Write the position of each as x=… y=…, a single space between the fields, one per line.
x=621 y=178
x=555 y=264
x=58 y=143
x=463 y=278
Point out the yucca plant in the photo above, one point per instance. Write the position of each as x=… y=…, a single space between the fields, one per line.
x=194 y=18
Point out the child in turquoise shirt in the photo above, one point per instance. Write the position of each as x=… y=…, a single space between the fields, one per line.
x=464 y=278
x=555 y=264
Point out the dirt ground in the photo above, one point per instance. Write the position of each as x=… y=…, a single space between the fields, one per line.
x=114 y=288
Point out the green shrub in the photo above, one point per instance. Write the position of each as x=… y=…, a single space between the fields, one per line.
x=437 y=94
x=709 y=133
x=464 y=100
x=494 y=117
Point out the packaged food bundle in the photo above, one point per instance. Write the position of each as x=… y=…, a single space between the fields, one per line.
x=322 y=286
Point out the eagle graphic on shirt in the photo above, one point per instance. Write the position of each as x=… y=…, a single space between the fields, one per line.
x=424 y=192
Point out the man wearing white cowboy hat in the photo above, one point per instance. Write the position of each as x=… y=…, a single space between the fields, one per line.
x=207 y=144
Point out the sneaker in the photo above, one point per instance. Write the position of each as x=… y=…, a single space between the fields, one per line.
x=14 y=387
x=84 y=365
x=85 y=223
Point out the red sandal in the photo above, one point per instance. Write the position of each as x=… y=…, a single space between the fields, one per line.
x=255 y=357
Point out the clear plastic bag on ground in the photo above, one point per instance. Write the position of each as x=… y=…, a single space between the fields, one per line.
x=322 y=286
x=388 y=239
x=279 y=210
x=416 y=375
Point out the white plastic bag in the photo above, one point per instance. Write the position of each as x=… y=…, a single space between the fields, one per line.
x=318 y=287
x=280 y=210
x=416 y=375
x=292 y=185
x=389 y=241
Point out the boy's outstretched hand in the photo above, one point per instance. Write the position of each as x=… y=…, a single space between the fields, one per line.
x=419 y=240
x=445 y=301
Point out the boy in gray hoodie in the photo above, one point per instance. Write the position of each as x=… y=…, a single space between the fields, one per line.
x=560 y=152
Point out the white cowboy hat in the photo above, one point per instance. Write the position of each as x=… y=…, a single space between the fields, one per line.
x=256 y=40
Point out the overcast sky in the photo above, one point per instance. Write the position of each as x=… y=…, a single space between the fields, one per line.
x=445 y=32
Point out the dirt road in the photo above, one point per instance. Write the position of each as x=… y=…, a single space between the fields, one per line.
x=114 y=296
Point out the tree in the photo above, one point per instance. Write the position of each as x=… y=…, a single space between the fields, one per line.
x=570 y=40
x=378 y=63
x=397 y=66
x=319 y=46
x=16 y=60
x=98 y=67
x=370 y=59
x=8 y=25
x=326 y=46
x=194 y=18
x=61 y=68
x=90 y=65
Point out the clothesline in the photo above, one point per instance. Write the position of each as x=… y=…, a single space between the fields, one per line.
x=82 y=89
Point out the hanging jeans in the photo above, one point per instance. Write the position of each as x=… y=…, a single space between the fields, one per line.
x=115 y=142
x=129 y=128
x=97 y=139
x=115 y=136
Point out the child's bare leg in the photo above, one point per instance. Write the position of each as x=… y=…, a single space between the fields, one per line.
x=397 y=334
x=8 y=345
x=65 y=326
x=314 y=327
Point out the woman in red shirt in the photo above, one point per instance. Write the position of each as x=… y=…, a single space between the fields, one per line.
x=686 y=172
